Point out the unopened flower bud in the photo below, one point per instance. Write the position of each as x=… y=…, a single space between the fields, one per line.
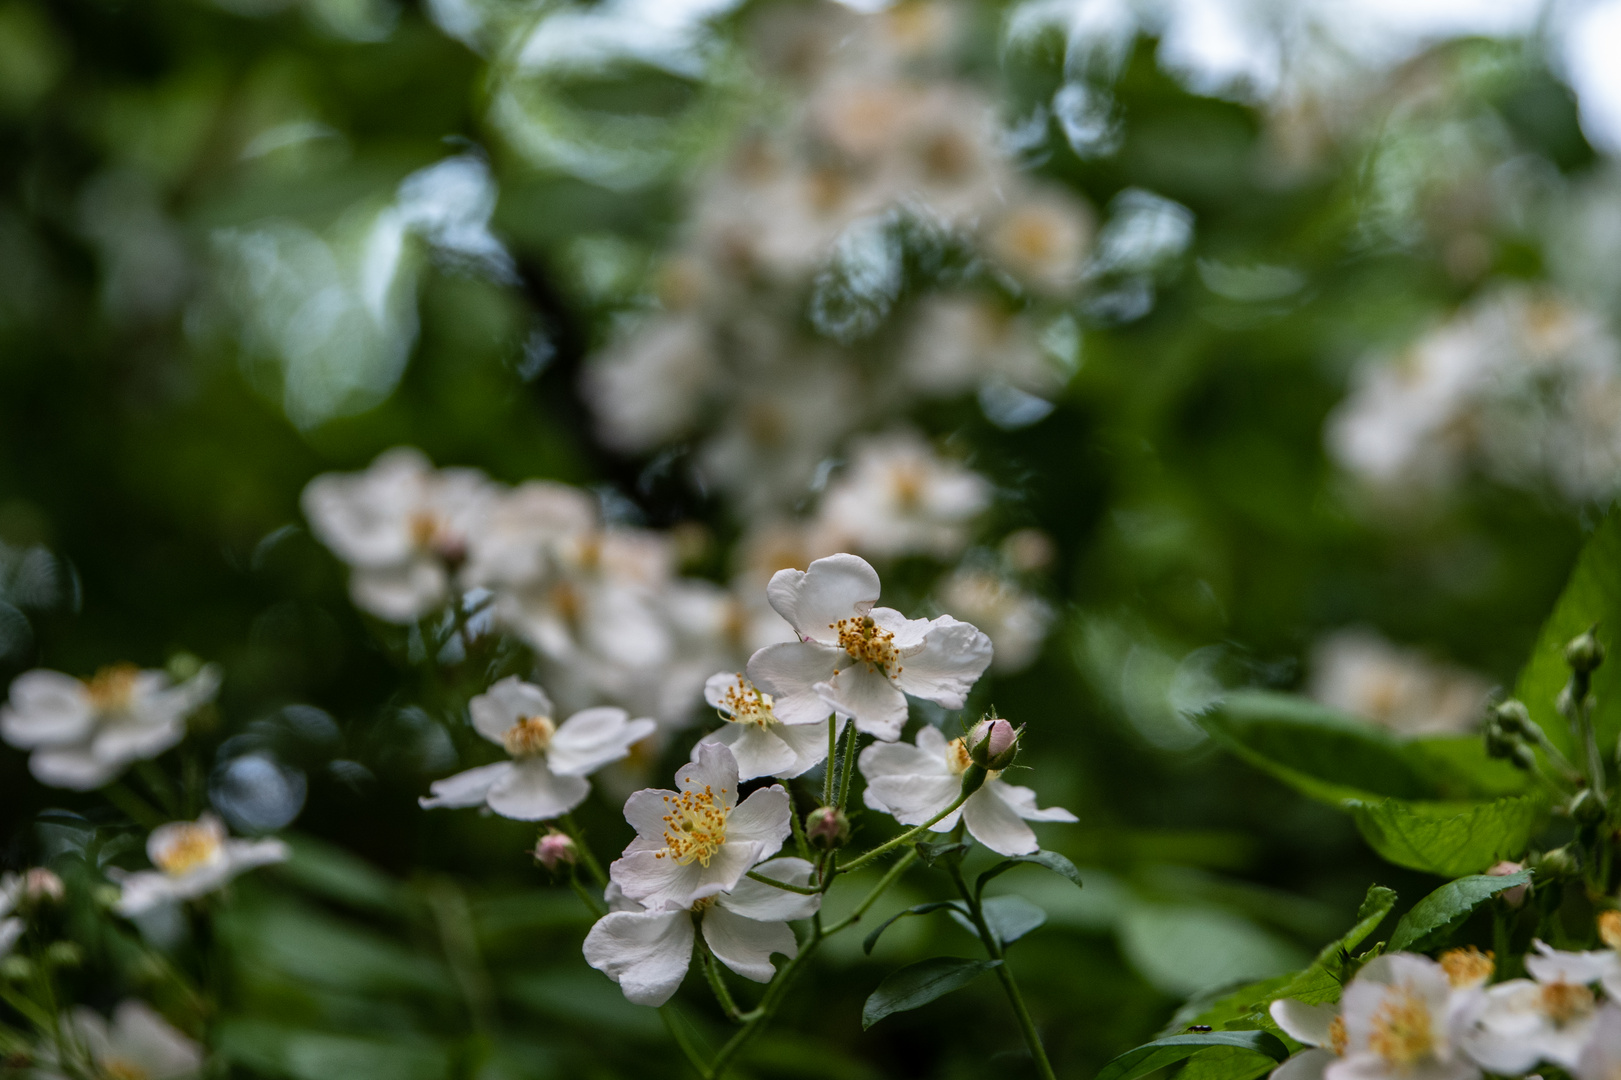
x=1609 y=928
x=1560 y=862
x=1584 y=653
x=827 y=828
x=1512 y=897
x=993 y=743
x=1512 y=717
x=1499 y=743
x=1588 y=807
x=555 y=848
x=42 y=886
x=1524 y=757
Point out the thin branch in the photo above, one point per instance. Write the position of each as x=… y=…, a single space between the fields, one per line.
x=802 y=890
x=905 y=837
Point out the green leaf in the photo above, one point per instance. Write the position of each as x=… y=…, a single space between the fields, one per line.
x=932 y=851
x=1592 y=595
x=1226 y=1063
x=916 y=909
x=1426 y=925
x=1050 y=859
x=1460 y=769
x=1168 y=1051
x=1009 y=918
x=1450 y=839
x=918 y=984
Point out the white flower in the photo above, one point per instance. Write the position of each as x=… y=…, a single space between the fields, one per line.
x=1600 y=1059
x=859 y=660
x=762 y=744
x=1402 y=1022
x=550 y=761
x=192 y=858
x=1042 y=239
x=1319 y=1027
x=1014 y=620
x=647 y=388
x=901 y=498
x=914 y=783
x=960 y=342
x=1549 y=1017
x=139 y=1044
x=647 y=951
x=519 y=538
x=83 y=733
x=402 y=525
x=699 y=841
x=1361 y=673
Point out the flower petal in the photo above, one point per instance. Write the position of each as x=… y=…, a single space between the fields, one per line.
x=867 y=694
x=400 y=594
x=143 y=1038
x=953 y=657
x=759 y=751
x=646 y=953
x=1304 y=1023
x=1023 y=802
x=592 y=738
x=757 y=900
x=834 y=588
x=808 y=743
x=46 y=708
x=745 y=945
x=911 y=783
x=503 y=704
x=996 y=825
x=142 y=891
x=761 y=818
x=712 y=768
x=74 y=768
x=660 y=882
x=789 y=672
x=645 y=810
x=1306 y=1065
x=532 y=792
x=468 y=788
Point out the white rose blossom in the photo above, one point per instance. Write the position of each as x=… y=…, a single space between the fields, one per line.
x=1403 y=1021
x=762 y=744
x=84 y=733
x=546 y=777
x=192 y=858
x=901 y=498
x=699 y=841
x=404 y=527
x=647 y=951
x=138 y=1044
x=1319 y=1027
x=914 y=783
x=1600 y=1059
x=859 y=660
x=1548 y=1017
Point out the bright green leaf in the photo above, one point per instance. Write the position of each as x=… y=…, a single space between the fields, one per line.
x=1168 y=1051
x=1423 y=928
x=1450 y=839
x=918 y=984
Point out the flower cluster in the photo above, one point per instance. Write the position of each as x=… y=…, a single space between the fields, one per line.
x=1407 y=1015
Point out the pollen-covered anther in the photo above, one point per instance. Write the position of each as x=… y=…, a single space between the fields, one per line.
x=191 y=846
x=868 y=643
x=529 y=736
x=695 y=827
x=1563 y=1002
x=1467 y=967
x=1403 y=1031
x=113 y=687
x=744 y=704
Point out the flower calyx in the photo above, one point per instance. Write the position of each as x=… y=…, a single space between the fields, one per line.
x=993 y=743
x=827 y=828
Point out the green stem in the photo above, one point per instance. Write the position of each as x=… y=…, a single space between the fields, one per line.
x=800 y=843
x=829 y=769
x=592 y=903
x=578 y=836
x=133 y=806
x=885 y=848
x=878 y=890
x=850 y=736
x=160 y=788
x=717 y=982
x=994 y=948
x=667 y=1013
x=768 y=1007
x=1595 y=760
x=802 y=890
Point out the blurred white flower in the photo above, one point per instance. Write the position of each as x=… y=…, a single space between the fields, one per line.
x=84 y=733
x=139 y=1044
x=1403 y=1019
x=647 y=388
x=1600 y=1059
x=901 y=498
x=949 y=156
x=404 y=526
x=192 y=858
x=647 y=952
x=699 y=841
x=1014 y=620
x=858 y=660
x=546 y=777
x=762 y=744
x=1359 y=672
x=521 y=534
x=959 y=342
x=914 y=783
x=1042 y=239
x=1548 y=1017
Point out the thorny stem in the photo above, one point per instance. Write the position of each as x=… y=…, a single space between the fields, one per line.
x=798 y=827
x=849 y=748
x=717 y=982
x=994 y=947
x=905 y=837
x=802 y=890
x=832 y=751
x=878 y=890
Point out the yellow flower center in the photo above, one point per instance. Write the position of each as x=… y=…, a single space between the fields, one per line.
x=948 y=156
x=529 y=736
x=695 y=827
x=1467 y=967
x=191 y=846
x=907 y=484
x=868 y=643
x=431 y=533
x=1403 y=1031
x=1337 y=1038
x=1030 y=237
x=120 y=1069
x=1609 y=928
x=1563 y=1002
x=113 y=687
x=744 y=704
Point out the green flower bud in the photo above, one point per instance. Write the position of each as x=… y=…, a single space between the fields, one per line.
x=1584 y=653
x=1512 y=717
x=1560 y=862
x=1524 y=757
x=826 y=827
x=1588 y=808
x=1499 y=744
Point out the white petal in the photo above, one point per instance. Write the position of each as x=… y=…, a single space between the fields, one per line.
x=142 y=891
x=954 y=656
x=247 y=854
x=468 y=788
x=1601 y=1057
x=868 y=695
x=74 y=768
x=808 y=743
x=996 y=825
x=759 y=751
x=10 y=931
x=1023 y=802
x=92 y=1031
x=657 y=883
x=141 y=1037
x=645 y=810
x=1306 y=1065
x=532 y=792
x=646 y=953
x=46 y=708
x=789 y=672
x=1304 y=1023
x=503 y=704
x=834 y=588
x=912 y=783
x=592 y=738
x=1548 y=964
x=122 y=741
x=757 y=900
x=761 y=818
x=716 y=687
x=712 y=769
x=401 y=594
x=745 y=945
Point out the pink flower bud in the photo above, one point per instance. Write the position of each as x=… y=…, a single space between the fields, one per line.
x=554 y=848
x=826 y=827
x=1516 y=896
x=993 y=743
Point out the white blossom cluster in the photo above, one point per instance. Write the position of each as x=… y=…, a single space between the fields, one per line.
x=1520 y=386
x=1361 y=673
x=1406 y=1015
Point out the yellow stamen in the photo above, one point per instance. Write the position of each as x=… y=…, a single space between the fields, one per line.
x=1468 y=966
x=1609 y=928
x=1337 y=1038
x=529 y=736
x=868 y=643
x=1403 y=1032
x=191 y=846
x=744 y=704
x=695 y=827
x=113 y=687
x=1563 y=1002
